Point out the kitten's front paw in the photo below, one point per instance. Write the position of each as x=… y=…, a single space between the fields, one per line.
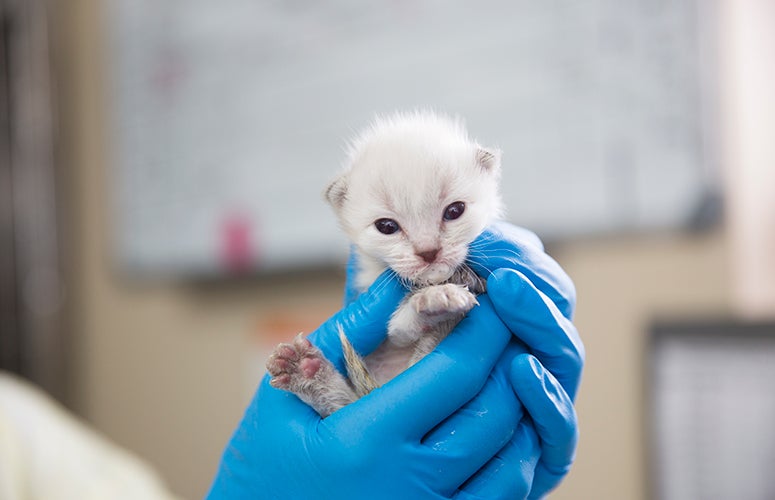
x=293 y=366
x=443 y=301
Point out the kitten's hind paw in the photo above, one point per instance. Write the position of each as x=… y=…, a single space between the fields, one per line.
x=300 y=367
x=293 y=366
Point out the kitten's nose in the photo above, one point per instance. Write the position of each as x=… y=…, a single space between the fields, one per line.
x=428 y=255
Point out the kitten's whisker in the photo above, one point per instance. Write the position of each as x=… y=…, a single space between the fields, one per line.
x=477 y=253
x=384 y=282
x=495 y=252
x=480 y=266
x=484 y=239
x=391 y=276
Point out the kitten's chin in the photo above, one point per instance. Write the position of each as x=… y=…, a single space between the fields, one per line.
x=434 y=275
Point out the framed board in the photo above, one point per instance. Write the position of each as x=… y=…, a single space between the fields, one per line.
x=711 y=410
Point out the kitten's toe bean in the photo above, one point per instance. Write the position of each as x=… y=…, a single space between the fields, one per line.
x=302 y=344
x=280 y=381
x=309 y=366
x=280 y=359
x=286 y=351
x=279 y=365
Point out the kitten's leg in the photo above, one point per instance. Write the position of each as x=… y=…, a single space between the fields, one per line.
x=428 y=311
x=300 y=368
x=431 y=339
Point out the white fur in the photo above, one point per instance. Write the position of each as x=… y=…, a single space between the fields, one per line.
x=409 y=167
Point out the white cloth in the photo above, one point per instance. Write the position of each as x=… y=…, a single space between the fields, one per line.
x=47 y=454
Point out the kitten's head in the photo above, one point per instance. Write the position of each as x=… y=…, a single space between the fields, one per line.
x=415 y=193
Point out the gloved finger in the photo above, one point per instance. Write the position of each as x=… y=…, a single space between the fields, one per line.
x=364 y=321
x=236 y=462
x=503 y=245
x=535 y=319
x=497 y=392
x=281 y=401
x=471 y=436
x=510 y=473
x=554 y=419
x=417 y=400
x=351 y=292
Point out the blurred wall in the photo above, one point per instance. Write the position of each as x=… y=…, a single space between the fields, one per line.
x=163 y=368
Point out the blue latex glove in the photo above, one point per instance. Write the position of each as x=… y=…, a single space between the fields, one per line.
x=534 y=297
x=381 y=447
x=433 y=432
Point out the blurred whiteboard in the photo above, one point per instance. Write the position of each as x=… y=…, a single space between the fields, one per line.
x=230 y=116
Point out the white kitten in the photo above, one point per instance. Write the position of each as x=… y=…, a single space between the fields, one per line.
x=415 y=193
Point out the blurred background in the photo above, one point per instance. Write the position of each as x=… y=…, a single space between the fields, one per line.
x=161 y=222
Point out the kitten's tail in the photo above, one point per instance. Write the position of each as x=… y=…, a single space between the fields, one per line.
x=357 y=372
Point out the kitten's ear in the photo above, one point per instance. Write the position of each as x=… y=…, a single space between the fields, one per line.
x=336 y=192
x=489 y=159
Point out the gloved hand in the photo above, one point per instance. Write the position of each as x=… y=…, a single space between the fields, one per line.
x=380 y=446
x=432 y=432
x=534 y=297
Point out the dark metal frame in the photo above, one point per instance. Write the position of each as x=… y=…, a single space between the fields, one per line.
x=696 y=331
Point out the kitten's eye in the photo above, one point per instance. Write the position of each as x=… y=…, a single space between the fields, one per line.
x=387 y=226
x=454 y=210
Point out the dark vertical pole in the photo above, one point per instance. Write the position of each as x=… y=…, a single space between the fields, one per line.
x=32 y=340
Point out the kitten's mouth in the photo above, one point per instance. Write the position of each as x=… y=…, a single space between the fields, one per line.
x=433 y=274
